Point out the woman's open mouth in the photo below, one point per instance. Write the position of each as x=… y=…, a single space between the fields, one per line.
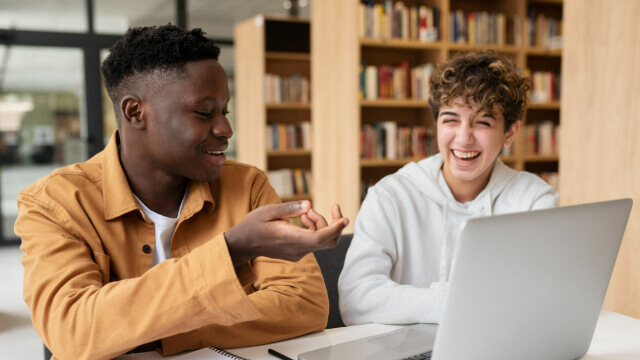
x=465 y=157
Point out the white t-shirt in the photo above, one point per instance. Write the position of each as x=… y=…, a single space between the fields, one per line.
x=164 y=228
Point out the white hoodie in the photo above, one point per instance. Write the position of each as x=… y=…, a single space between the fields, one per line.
x=397 y=267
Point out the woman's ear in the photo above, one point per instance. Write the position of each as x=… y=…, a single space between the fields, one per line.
x=511 y=134
x=131 y=107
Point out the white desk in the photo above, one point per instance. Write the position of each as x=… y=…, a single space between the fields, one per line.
x=617 y=337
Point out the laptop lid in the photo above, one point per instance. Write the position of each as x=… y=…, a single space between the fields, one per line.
x=523 y=286
x=531 y=285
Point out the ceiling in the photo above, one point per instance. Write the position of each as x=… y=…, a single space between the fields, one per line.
x=35 y=69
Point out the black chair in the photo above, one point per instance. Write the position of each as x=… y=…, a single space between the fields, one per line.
x=331 y=262
x=47 y=353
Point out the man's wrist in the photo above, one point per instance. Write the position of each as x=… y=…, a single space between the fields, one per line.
x=235 y=245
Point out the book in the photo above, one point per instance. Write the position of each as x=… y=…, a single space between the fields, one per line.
x=210 y=353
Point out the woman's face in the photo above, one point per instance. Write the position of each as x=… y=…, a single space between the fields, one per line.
x=469 y=145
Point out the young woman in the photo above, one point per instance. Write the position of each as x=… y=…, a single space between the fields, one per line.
x=398 y=265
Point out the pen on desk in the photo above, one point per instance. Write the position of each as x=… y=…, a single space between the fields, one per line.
x=278 y=355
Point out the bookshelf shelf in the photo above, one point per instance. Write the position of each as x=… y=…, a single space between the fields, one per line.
x=279 y=47
x=288 y=106
x=274 y=55
x=506 y=49
x=544 y=52
x=559 y=2
x=340 y=48
x=553 y=105
x=382 y=163
x=296 y=197
x=393 y=103
x=291 y=152
x=541 y=158
x=400 y=44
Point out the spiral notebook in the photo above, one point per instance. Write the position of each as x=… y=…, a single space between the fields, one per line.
x=210 y=353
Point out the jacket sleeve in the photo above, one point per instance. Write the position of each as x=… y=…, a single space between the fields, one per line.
x=291 y=296
x=367 y=292
x=80 y=318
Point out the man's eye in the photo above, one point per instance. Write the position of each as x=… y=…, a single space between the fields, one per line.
x=484 y=123
x=445 y=121
x=203 y=113
x=225 y=112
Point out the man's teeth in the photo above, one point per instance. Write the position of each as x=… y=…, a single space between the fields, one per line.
x=218 y=153
x=466 y=155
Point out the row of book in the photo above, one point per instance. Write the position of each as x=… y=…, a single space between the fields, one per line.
x=541 y=138
x=395 y=20
x=542 y=31
x=289 y=182
x=387 y=140
x=289 y=136
x=477 y=28
x=395 y=82
x=545 y=86
x=295 y=88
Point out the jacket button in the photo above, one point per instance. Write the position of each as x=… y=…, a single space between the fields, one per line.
x=146 y=249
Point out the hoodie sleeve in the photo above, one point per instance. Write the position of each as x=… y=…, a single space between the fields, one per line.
x=545 y=198
x=367 y=292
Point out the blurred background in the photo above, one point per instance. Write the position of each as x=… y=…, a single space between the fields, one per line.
x=54 y=109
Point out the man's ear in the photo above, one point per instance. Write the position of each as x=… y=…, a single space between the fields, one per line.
x=131 y=107
x=511 y=134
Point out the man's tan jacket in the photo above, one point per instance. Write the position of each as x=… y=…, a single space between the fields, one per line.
x=91 y=288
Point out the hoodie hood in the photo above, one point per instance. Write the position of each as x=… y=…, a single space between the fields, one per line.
x=427 y=176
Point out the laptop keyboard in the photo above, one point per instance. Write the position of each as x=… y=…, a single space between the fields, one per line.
x=423 y=356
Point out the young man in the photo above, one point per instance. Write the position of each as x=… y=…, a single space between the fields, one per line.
x=398 y=265
x=158 y=242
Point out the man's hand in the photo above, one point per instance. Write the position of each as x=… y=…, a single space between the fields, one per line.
x=266 y=231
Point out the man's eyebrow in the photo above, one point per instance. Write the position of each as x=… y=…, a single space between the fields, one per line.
x=449 y=113
x=208 y=100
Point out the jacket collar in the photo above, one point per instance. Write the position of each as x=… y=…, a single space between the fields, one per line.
x=118 y=197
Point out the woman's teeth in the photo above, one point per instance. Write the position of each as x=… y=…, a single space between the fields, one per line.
x=466 y=155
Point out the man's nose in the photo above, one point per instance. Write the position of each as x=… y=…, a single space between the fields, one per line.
x=222 y=128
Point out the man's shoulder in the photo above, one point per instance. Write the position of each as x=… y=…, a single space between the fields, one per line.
x=66 y=179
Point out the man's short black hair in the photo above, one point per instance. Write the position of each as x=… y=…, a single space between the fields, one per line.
x=145 y=50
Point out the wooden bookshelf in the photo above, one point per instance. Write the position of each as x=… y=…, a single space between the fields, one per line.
x=287 y=153
x=274 y=45
x=392 y=103
x=400 y=44
x=340 y=112
x=296 y=197
x=381 y=163
x=504 y=49
x=288 y=106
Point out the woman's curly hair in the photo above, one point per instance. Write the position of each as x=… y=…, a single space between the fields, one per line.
x=486 y=78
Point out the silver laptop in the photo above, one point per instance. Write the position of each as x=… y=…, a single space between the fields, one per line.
x=523 y=286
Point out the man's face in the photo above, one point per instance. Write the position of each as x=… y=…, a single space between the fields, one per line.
x=469 y=145
x=187 y=128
